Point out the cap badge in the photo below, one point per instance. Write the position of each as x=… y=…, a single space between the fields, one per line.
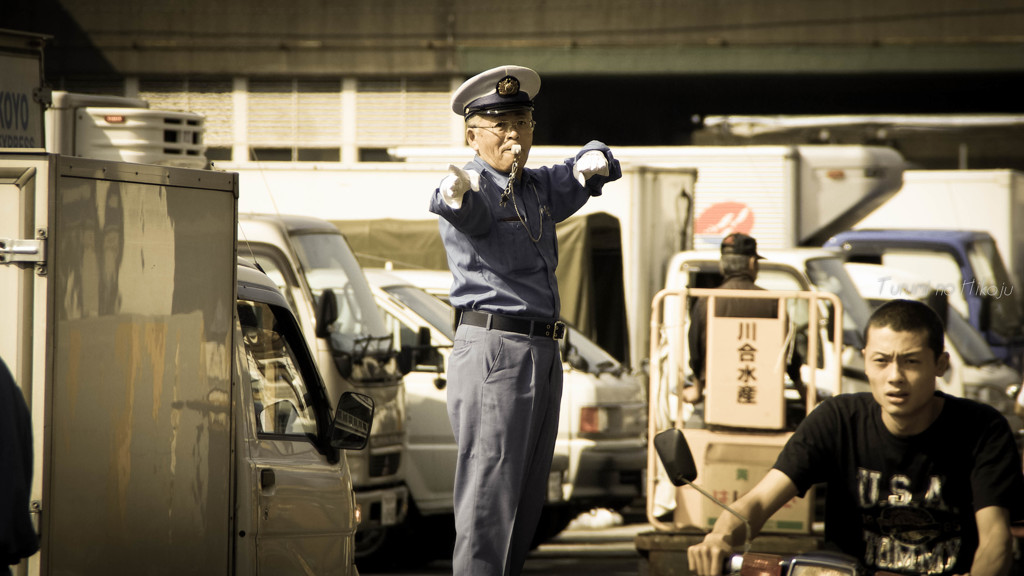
x=508 y=86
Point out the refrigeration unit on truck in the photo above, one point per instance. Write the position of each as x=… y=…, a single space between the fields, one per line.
x=313 y=266
x=179 y=420
x=121 y=128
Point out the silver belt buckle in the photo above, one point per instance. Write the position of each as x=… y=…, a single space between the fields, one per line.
x=559 y=330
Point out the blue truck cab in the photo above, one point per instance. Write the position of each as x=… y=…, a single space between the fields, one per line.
x=965 y=265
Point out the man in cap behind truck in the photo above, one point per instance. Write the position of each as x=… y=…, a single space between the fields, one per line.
x=739 y=266
x=497 y=221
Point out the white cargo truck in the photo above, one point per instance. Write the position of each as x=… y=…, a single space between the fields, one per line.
x=989 y=200
x=180 y=424
x=966 y=236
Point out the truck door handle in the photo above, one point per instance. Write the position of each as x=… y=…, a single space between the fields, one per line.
x=267 y=479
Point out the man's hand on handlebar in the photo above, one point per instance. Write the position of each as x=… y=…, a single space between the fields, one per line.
x=708 y=557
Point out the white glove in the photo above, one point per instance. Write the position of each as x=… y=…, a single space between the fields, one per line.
x=593 y=162
x=457 y=183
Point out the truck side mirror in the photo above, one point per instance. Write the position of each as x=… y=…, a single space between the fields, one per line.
x=326 y=312
x=675 y=456
x=352 y=422
x=423 y=338
x=420 y=353
x=939 y=301
x=430 y=355
x=406 y=357
x=985 y=314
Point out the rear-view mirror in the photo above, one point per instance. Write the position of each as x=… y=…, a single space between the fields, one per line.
x=427 y=356
x=675 y=456
x=326 y=313
x=352 y=422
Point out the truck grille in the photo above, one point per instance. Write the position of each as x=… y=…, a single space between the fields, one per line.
x=384 y=464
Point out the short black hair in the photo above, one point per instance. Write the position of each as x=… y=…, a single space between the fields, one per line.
x=910 y=316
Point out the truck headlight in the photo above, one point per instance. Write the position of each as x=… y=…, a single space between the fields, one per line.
x=593 y=420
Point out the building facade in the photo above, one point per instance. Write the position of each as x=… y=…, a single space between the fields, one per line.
x=344 y=80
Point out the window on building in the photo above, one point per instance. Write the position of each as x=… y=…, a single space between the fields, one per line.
x=295 y=120
x=374 y=155
x=402 y=112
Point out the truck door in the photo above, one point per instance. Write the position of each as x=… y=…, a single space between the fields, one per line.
x=303 y=515
x=122 y=331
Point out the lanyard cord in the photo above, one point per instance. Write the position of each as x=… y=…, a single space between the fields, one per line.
x=540 y=212
x=508 y=187
x=510 y=193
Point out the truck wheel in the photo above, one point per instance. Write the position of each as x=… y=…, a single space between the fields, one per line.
x=371 y=549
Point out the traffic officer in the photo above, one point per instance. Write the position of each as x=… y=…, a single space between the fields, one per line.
x=497 y=220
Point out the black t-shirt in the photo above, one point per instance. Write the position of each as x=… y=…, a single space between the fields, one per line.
x=906 y=504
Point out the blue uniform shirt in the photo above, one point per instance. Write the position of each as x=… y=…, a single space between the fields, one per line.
x=497 y=267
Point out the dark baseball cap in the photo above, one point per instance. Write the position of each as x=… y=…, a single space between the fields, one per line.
x=739 y=243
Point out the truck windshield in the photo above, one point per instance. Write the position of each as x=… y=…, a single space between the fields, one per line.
x=993 y=281
x=330 y=265
x=431 y=308
x=588 y=356
x=968 y=341
x=829 y=274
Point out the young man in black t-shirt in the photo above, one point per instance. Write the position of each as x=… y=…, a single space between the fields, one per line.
x=918 y=481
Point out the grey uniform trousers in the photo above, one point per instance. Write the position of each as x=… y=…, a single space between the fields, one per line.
x=504 y=392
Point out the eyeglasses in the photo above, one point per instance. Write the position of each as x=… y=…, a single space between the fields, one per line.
x=504 y=127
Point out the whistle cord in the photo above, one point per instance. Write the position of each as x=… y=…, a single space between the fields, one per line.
x=540 y=213
x=510 y=193
x=508 y=187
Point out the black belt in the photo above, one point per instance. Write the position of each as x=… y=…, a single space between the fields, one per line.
x=547 y=328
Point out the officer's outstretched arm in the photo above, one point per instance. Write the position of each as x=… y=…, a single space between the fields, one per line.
x=770 y=494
